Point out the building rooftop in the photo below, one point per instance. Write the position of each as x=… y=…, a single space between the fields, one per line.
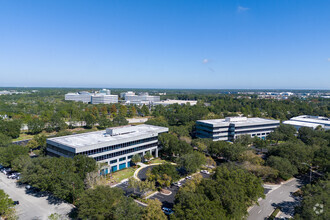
x=115 y=134
x=180 y=102
x=302 y=124
x=312 y=119
x=238 y=121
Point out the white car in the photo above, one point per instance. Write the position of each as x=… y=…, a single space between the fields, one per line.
x=178 y=184
x=205 y=171
x=189 y=177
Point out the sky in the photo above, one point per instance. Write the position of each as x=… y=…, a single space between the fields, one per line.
x=196 y=44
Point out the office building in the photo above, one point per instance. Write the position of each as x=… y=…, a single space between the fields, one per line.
x=114 y=146
x=309 y=121
x=83 y=96
x=101 y=98
x=171 y=102
x=142 y=99
x=230 y=128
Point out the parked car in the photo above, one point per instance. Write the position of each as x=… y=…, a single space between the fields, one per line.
x=167 y=211
x=6 y=170
x=16 y=202
x=205 y=172
x=28 y=187
x=178 y=184
x=189 y=177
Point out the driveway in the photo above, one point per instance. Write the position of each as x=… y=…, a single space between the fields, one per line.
x=36 y=206
x=280 y=196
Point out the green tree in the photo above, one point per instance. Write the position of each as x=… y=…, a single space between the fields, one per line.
x=136 y=159
x=132 y=111
x=105 y=202
x=191 y=162
x=6 y=204
x=147 y=156
x=90 y=120
x=154 y=211
x=283 y=165
x=119 y=120
x=35 y=125
x=104 y=122
x=8 y=154
x=21 y=162
x=145 y=110
x=123 y=110
x=113 y=110
x=4 y=140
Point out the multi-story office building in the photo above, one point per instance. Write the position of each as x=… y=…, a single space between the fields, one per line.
x=171 y=102
x=101 y=98
x=232 y=127
x=85 y=97
x=309 y=121
x=142 y=98
x=114 y=146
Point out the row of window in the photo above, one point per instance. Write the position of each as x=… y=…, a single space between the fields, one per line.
x=116 y=154
x=60 y=150
x=118 y=146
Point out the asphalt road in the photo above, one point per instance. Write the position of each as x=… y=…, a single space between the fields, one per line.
x=142 y=173
x=278 y=197
x=32 y=206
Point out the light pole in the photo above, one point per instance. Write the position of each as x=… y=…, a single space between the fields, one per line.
x=310 y=171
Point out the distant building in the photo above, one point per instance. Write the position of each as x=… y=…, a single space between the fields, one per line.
x=83 y=96
x=232 y=127
x=143 y=98
x=102 y=98
x=171 y=102
x=309 y=121
x=114 y=146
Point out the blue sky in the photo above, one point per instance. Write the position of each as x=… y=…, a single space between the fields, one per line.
x=166 y=44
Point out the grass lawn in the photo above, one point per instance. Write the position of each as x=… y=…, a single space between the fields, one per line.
x=123 y=174
x=157 y=160
x=23 y=136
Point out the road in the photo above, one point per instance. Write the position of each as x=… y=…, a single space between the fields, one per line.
x=32 y=206
x=280 y=196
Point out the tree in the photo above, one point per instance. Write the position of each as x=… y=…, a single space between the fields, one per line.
x=113 y=110
x=123 y=110
x=283 y=133
x=104 y=122
x=119 y=120
x=35 y=125
x=136 y=159
x=145 y=110
x=105 y=202
x=21 y=162
x=4 y=140
x=8 y=154
x=283 y=165
x=158 y=121
x=32 y=144
x=6 y=204
x=165 y=174
x=90 y=120
x=132 y=111
x=154 y=211
x=147 y=156
x=191 y=162
x=11 y=128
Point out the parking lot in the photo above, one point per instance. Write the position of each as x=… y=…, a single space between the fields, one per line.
x=168 y=200
x=32 y=205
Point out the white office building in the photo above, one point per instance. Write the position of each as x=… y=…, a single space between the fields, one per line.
x=230 y=128
x=101 y=98
x=309 y=121
x=171 y=102
x=142 y=98
x=83 y=96
x=114 y=146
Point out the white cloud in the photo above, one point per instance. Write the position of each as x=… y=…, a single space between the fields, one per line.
x=241 y=9
x=206 y=60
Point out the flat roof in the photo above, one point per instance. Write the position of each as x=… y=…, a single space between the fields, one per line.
x=312 y=119
x=171 y=101
x=302 y=124
x=248 y=121
x=99 y=137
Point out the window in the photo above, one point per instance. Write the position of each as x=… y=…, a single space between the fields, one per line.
x=113 y=161
x=123 y=158
x=129 y=157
